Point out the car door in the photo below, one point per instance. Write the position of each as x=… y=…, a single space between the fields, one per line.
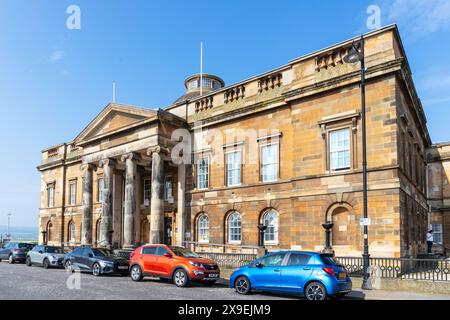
x=86 y=259
x=163 y=264
x=76 y=258
x=39 y=255
x=4 y=250
x=148 y=258
x=266 y=272
x=296 y=272
x=32 y=254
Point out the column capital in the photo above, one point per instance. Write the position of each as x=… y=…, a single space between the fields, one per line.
x=107 y=162
x=158 y=149
x=130 y=156
x=88 y=166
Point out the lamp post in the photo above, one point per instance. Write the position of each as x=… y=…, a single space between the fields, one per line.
x=9 y=222
x=262 y=230
x=356 y=56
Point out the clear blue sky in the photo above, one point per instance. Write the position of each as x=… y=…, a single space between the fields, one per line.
x=53 y=81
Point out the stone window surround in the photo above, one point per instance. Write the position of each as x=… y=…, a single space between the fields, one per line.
x=51 y=185
x=198 y=155
x=197 y=230
x=231 y=148
x=227 y=231
x=263 y=215
x=265 y=141
x=338 y=122
x=71 y=182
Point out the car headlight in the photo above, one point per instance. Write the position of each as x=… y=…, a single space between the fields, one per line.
x=195 y=264
x=106 y=263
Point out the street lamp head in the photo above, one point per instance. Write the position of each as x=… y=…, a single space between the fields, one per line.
x=354 y=56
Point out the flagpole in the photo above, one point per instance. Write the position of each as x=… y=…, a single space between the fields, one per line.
x=201 y=68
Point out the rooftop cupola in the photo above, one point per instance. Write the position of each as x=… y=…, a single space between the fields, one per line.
x=196 y=83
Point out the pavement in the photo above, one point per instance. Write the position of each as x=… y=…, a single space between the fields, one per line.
x=19 y=282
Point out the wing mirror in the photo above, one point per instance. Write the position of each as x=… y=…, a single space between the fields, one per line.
x=91 y=255
x=167 y=255
x=259 y=265
x=40 y=251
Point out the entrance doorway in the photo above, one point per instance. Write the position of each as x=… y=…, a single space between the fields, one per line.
x=168 y=230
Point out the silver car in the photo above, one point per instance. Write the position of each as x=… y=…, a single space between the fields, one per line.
x=46 y=256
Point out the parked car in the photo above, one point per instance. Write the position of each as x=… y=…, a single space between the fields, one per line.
x=98 y=261
x=46 y=256
x=174 y=263
x=15 y=251
x=314 y=275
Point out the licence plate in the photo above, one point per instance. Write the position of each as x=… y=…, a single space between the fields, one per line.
x=213 y=275
x=123 y=267
x=342 y=275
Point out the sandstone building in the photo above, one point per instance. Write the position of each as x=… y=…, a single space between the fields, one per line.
x=282 y=148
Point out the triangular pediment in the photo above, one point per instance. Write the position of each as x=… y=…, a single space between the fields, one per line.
x=114 y=118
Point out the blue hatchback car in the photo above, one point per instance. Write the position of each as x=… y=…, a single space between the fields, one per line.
x=314 y=275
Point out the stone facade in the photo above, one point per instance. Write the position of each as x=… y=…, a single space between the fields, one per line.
x=438 y=157
x=296 y=108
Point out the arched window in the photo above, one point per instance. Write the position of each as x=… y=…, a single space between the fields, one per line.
x=203 y=228
x=72 y=230
x=49 y=231
x=234 y=227
x=270 y=219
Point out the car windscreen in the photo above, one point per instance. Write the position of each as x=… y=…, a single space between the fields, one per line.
x=183 y=252
x=102 y=252
x=329 y=260
x=55 y=250
x=27 y=246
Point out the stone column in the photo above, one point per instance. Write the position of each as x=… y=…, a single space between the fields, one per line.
x=86 y=232
x=130 y=199
x=181 y=207
x=157 y=198
x=107 y=203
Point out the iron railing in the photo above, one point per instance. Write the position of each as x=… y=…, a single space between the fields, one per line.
x=200 y=247
x=400 y=268
x=229 y=260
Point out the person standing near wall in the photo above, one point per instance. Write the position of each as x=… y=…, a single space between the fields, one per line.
x=430 y=240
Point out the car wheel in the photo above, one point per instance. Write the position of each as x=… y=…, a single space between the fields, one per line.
x=11 y=259
x=315 y=291
x=242 y=285
x=28 y=262
x=180 y=278
x=136 y=273
x=96 y=270
x=68 y=266
x=46 y=264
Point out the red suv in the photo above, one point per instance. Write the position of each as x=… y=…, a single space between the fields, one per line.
x=169 y=262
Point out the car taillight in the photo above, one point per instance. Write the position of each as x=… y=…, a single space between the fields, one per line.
x=330 y=271
x=132 y=255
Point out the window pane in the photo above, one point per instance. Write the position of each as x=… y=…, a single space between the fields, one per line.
x=203 y=228
x=234 y=227
x=269 y=162
x=339 y=148
x=271 y=221
x=202 y=173
x=297 y=259
x=233 y=168
x=147 y=189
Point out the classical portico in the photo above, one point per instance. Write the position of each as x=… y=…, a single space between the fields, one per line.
x=120 y=159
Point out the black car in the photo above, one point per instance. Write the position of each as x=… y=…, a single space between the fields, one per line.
x=15 y=251
x=96 y=260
